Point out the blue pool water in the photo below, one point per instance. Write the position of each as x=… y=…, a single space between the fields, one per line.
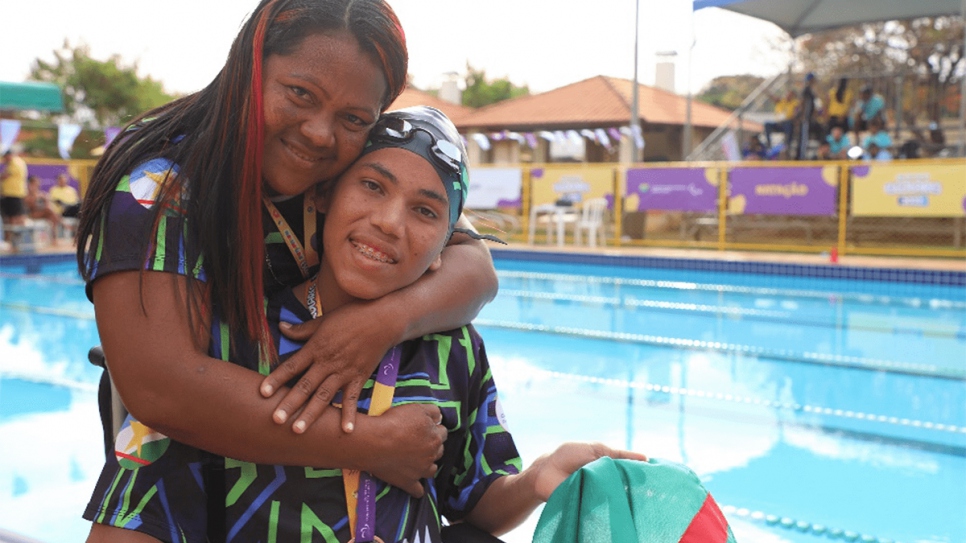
x=813 y=409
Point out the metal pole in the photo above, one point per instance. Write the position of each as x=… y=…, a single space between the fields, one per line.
x=688 y=138
x=962 y=94
x=635 y=114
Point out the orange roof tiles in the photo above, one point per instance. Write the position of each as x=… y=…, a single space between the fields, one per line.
x=592 y=103
x=415 y=97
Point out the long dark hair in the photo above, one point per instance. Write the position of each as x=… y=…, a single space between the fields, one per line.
x=840 y=91
x=216 y=137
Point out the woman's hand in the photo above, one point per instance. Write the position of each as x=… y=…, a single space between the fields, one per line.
x=550 y=470
x=414 y=438
x=343 y=349
x=346 y=345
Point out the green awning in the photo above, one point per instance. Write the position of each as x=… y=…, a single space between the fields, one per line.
x=31 y=95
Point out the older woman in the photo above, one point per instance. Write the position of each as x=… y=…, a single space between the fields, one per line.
x=197 y=209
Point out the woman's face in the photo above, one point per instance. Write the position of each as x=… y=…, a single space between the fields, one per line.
x=387 y=221
x=320 y=102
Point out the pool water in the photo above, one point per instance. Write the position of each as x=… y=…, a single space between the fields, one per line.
x=813 y=409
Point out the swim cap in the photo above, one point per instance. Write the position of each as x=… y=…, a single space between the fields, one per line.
x=427 y=132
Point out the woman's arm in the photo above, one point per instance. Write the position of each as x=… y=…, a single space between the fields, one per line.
x=169 y=384
x=334 y=358
x=509 y=500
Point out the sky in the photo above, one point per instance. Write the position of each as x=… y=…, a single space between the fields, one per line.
x=544 y=44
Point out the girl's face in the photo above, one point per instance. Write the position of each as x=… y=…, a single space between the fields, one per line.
x=320 y=102
x=386 y=224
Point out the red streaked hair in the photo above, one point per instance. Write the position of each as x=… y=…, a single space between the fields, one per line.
x=216 y=137
x=252 y=246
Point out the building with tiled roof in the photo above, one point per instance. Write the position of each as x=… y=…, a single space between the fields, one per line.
x=591 y=116
x=415 y=97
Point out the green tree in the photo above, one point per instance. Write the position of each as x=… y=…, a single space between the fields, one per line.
x=482 y=92
x=729 y=91
x=99 y=92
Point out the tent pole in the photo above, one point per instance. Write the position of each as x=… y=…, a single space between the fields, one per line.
x=687 y=143
x=635 y=106
x=962 y=92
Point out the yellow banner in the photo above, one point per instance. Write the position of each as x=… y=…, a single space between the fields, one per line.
x=909 y=190
x=574 y=183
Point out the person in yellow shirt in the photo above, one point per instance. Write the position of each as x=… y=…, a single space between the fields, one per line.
x=785 y=109
x=839 y=104
x=13 y=188
x=64 y=197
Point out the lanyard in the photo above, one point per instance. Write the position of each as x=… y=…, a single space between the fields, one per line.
x=360 y=487
x=305 y=258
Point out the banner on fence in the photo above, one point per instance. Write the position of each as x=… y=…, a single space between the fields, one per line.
x=671 y=189
x=47 y=173
x=909 y=190
x=784 y=191
x=575 y=184
x=492 y=188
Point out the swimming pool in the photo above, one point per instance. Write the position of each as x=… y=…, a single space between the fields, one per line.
x=814 y=407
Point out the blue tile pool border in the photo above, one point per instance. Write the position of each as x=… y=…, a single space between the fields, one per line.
x=33 y=263
x=894 y=275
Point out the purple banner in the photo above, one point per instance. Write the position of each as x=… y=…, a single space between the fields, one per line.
x=671 y=189
x=110 y=133
x=48 y=175
x=784 y=191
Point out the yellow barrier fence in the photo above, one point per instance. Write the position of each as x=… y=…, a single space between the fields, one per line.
x=898 y=208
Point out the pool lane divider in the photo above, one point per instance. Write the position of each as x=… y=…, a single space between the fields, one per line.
x=40 y=310
x=803 y=526
x=42 y=277
x=861 y=298
x=790 y=406
x=51 y=380
x=766 y=315
x=869 y=364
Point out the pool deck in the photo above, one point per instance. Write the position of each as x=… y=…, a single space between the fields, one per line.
x=937 y=264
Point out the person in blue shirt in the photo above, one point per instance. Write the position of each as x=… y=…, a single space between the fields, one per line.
x=878 y=143
x=838 y=143
x=871 y=106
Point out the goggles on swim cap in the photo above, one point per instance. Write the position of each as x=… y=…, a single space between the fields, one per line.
x=397 y=129
x=427 y=132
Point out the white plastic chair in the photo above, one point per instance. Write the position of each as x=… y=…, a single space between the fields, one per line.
x=592 y=221
x=555 y=218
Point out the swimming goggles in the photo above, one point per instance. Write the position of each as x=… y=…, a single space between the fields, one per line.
x=394 y=129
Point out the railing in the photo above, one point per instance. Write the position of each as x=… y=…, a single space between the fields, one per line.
x=710 y=148
x=898 y=208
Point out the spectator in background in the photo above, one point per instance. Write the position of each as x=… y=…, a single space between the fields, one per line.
x=755 y=150
x=878 y=143
x=64 y=197
x=874 y=152
x=838 y=142
x=13 y=189
x=39 y=206
x=806 y=117
x=839 y=104
x=824 y=152
x=870 y=106
x=785 y=109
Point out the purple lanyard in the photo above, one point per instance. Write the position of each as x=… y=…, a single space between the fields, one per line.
x=360 y=487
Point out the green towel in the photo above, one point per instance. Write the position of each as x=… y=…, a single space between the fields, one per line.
x=617 y=501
